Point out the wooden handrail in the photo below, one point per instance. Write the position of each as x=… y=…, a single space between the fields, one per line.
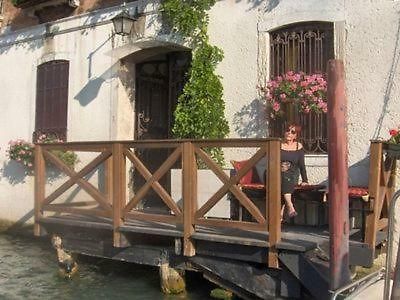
x=381 y=185
x=112 y=201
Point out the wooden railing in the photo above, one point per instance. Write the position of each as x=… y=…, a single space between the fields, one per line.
x=382 y=175
x=111 y=201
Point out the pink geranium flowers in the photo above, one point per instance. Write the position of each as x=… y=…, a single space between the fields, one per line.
x=308 y=92
x=21 y=151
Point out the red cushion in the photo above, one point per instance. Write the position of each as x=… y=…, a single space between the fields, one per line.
x=253 y=186
x=248 y=177
x=309 y=187
x=357 y=191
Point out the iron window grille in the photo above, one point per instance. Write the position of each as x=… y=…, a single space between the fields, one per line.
x=305 y=47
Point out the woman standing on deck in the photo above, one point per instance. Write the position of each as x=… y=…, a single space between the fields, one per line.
x=292 y=164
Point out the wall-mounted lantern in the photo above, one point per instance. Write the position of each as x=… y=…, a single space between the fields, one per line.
x=124 y=22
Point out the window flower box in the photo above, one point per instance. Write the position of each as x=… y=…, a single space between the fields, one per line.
x=393 y=150
x=393 y=144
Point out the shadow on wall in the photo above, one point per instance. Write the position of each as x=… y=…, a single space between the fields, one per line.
x=390 y=83
x=271 y=5
x=257 y=3
x=15 y=173
x=357 y=174
x=10 y=42
x=251 y=120
x=91 y=89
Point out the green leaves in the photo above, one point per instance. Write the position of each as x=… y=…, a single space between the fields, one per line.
x=200 y=110
x=189 y=18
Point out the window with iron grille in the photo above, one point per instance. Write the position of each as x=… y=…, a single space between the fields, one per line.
x=52 y=99
x=305 y=47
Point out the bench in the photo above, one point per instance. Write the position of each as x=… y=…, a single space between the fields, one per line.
x=310 y=201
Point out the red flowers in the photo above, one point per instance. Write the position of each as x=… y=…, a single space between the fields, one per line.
x=394 y=135
x=393 y=132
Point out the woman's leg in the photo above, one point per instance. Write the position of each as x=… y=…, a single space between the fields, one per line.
x=289 y=204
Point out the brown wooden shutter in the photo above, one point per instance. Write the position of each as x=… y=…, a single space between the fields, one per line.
x=52 y=99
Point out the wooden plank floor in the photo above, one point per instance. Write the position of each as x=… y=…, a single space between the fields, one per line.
x=295 y=238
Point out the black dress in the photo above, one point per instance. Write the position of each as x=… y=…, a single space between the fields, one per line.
x=292 y=164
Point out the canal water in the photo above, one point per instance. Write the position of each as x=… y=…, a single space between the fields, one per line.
x=28 y=270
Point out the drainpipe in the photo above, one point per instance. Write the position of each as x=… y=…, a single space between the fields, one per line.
x=338 y=176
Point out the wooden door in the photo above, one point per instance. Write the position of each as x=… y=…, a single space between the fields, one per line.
x=159 y=83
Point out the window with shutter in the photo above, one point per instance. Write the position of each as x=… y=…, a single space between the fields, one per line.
x=52 y=99
x=305 y=47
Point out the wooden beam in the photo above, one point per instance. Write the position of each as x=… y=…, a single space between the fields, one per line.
x=230 y=184
x=87 y=186
x=143 y=216
x=338 y=176
x=108 y=184
x=152 y=181
x=375 y=170
x=231 y=224
x=73 y=179
x=40 y=182
x=273 y=198
x=189 y=195
x=62 y=208
x=119 y=192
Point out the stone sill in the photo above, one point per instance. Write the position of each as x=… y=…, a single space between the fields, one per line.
x=39 y=4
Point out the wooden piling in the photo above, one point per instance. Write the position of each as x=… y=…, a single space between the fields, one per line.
x=338 y=176
x=40 y=182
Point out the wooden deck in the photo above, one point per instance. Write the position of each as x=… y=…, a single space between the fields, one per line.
x=109 y=222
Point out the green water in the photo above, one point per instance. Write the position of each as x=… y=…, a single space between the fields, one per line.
x=28 y=270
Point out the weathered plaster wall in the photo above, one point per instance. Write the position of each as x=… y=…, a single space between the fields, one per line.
x=366 y=38
x=101 y=105
x=95 y=105
x=243 y=35
x=236 y=33
x=372 y=70
x=373 y=74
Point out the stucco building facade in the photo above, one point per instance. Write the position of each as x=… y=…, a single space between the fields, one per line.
x=102 y=92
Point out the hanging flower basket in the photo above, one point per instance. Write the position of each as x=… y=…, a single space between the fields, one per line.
x=304 y=93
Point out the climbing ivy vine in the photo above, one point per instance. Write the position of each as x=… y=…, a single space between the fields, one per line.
x=200 y=112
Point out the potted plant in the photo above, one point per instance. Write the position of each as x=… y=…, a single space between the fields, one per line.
x=23 y=152
x=393 y=143
x=299 y=91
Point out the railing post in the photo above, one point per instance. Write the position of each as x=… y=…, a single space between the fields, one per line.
x=375 y=171
x=118 y=191
x=108 y=179
x=189 y=187
x=273 y=196
x=40 y=182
